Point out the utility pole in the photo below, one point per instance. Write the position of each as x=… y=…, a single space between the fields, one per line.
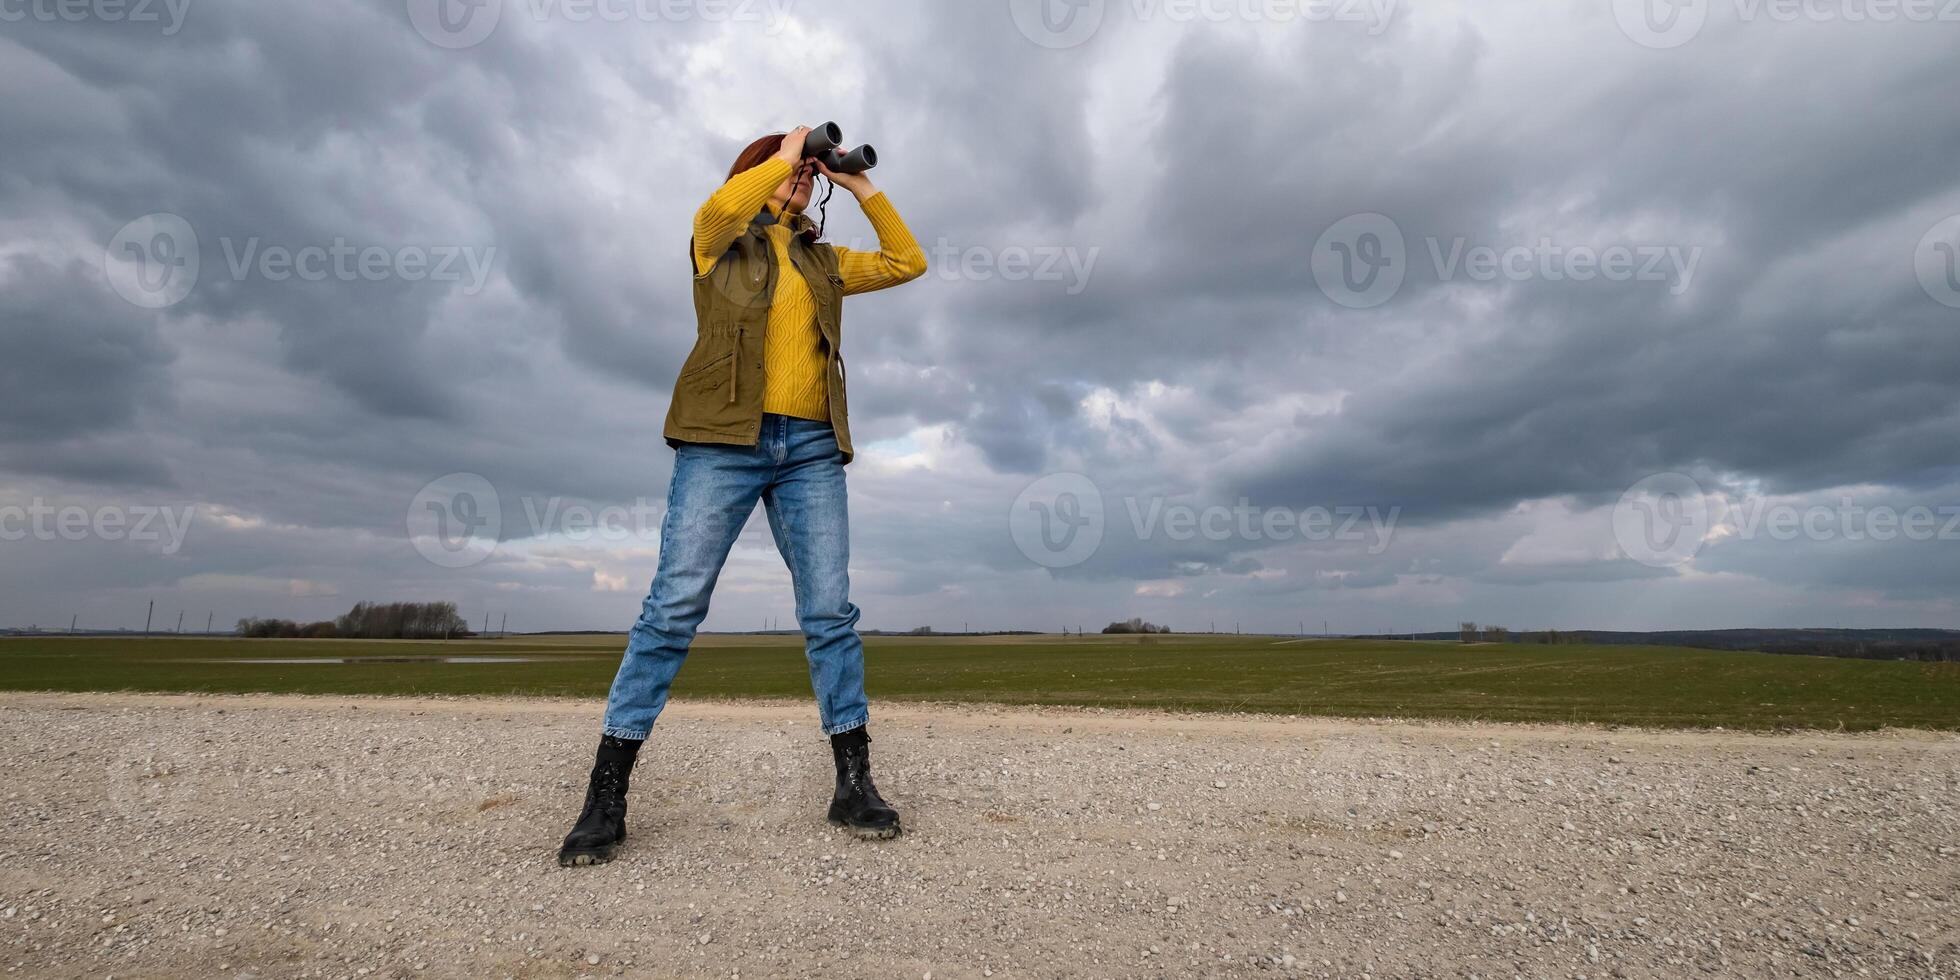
x=71 y=622
x=147 y=617
x=486 y=622
x=209 y=618
x=180 y=622
x=503 y=627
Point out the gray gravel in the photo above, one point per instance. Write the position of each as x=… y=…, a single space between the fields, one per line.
x=276 y=836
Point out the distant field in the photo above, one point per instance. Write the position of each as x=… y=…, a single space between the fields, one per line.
x=1645 y=685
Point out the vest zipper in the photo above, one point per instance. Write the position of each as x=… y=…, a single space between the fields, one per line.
x=734 y=366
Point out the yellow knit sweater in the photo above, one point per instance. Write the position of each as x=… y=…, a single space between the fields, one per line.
x=792 y=355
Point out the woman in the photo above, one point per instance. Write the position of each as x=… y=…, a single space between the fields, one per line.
x=758 y=413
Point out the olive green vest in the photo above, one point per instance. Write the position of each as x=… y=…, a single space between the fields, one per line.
x=718 y=395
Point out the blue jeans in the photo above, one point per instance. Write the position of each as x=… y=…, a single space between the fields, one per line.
x=797 y=471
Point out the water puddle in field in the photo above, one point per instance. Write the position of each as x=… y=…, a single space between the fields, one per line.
x=378 y=660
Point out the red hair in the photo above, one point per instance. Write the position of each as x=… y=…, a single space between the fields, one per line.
x=757 y=153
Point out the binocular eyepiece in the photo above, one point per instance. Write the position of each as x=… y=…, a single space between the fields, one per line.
x=823 y=144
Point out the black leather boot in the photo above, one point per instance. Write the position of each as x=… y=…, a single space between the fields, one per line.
x=602 y=824
x=857 y=806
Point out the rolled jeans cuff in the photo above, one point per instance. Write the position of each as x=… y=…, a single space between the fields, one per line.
x=841 y=728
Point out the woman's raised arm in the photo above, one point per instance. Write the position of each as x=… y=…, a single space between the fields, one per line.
x=898 y=258
x=734 y=204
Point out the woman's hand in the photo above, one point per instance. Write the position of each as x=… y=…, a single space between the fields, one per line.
x=792 y=149
x=858 y=184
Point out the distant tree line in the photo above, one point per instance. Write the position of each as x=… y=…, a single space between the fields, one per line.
x=1926 y=645
x=369 y=621
x=1136 y=625
x=1904 y=643
x=1470 y=632
x=285 y=629
x=1553 y=637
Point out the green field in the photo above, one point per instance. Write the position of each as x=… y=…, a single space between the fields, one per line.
x=1644 y=685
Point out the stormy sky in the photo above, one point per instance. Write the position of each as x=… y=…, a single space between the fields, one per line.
x=1378 y=315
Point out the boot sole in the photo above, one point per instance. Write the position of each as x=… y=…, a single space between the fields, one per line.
x=869 y=833
x=585 y=856
x=579 y=857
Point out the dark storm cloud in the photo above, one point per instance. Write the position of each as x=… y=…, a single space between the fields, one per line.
x=78 y=362
x=79 y=368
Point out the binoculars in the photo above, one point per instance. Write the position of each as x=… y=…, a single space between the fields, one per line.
x=823 y=144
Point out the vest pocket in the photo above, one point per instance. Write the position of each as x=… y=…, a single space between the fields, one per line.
x=708 y=377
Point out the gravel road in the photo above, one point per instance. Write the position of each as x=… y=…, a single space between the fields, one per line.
x=284 y=836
